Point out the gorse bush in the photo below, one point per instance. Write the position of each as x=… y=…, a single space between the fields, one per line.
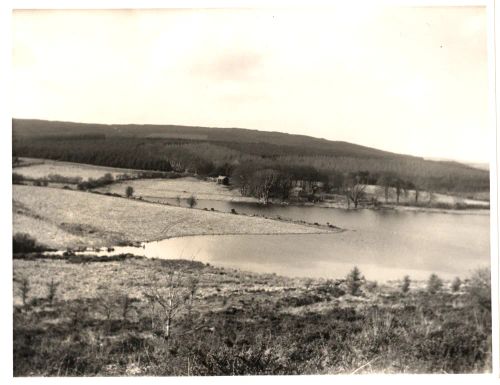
x=405 y=286
x=434 y=284
x=479 y=288
x=354 y=280
x=455 y=285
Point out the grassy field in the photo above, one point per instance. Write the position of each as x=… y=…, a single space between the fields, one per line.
x=63 y=218
x=182 y=188
x=42 y=168
x=83 y=317
x=158 y=189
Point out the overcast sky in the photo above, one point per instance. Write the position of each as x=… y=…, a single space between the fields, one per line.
x=408 y=80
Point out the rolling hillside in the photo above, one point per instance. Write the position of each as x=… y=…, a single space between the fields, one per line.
x=240 y=139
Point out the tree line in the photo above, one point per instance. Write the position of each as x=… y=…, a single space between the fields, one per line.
x=249 y=168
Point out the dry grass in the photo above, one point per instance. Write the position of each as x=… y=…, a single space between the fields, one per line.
x=81 y=280
x=241 y=323
x=67 y=169
x=55 y=217
x=182 y=187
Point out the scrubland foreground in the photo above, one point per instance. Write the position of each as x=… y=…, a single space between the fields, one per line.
x=124 y=315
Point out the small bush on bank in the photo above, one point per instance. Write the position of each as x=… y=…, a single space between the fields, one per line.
x=192 y=201
x=56 y=178
x=17 y=178
x=24 y=243
x=105 y=180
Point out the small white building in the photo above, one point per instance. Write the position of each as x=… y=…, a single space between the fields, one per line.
x=222 y=179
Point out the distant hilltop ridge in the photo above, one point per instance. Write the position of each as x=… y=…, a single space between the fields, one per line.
x=303 y=143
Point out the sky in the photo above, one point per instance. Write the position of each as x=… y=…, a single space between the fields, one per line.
x=407 y=80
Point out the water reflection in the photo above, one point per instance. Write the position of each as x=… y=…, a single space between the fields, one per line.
x=385 y=244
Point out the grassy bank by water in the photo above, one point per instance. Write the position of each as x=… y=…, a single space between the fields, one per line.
x=62 y=218
x=87 y=316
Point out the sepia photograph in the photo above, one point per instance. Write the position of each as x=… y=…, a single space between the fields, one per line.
x=252 y=191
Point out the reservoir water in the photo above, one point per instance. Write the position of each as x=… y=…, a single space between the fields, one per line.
x=383 y=244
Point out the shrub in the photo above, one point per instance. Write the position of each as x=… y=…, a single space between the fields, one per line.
x=308 y=283
x=479 y=289
x=354 y=281
x=17 y=178
x=191 y=201
x=24 y=243
x=455 y=285
x=95 y=183
x=434 y=284
x=405 y=287
x=56 y=178
x=129 y=191
x=24 y=288
x=52 y=290
x=371 y=286
x=330 y=287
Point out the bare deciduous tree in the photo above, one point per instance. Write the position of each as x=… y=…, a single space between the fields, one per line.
x=171 y=295
x=400 y=186
x=265 y=182
x=354 y=191
x=385 y=184
x=107 y=303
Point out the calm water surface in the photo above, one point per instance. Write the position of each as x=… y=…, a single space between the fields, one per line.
x=384 y=244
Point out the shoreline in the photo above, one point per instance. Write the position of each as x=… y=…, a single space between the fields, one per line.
x=61 y=218
x=93 y=257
